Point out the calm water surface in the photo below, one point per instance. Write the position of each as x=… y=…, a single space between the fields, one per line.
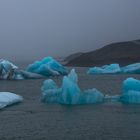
x=33 y=120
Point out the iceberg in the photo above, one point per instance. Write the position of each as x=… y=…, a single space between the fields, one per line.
x=47 y=67
x=69 y=93
x=131 y=91
x=132 y=68
x=106 y=69
x=50 y=92
x=9 y=71
x=7 y=98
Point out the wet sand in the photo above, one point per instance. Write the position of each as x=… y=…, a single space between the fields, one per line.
x=34 y=120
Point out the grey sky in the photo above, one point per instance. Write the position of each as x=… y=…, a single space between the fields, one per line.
x=32 y=29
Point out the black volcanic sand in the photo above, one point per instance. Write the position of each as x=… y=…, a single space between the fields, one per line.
x=33 y=120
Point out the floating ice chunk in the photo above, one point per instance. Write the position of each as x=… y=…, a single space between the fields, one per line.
x=50 y=91
x=131 y=91
x=7 y=98
x=47 y=67
x=6 y=69
x=106 y=69
x=70 y=92
x=9 y=71
x=131 y=84
x=132 y=68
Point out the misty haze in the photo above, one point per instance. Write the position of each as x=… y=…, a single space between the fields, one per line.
x=69 y=69
x=33 y=29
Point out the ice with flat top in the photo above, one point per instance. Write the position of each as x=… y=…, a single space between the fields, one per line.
x=106 y=69
x=132 y=68
x=7 y=98
x=131 y=91
x=69 y=93
x=47 y=67
x=115 y=68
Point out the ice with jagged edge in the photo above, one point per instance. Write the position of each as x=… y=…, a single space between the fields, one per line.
x=131 y=91
x=7 y=98
x=106 y=69
x=9 y=71
x=69 y=93
x=132 y=68
x=47 y=67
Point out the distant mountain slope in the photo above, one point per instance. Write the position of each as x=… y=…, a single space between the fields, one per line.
x=73 y=56
x=123 y=53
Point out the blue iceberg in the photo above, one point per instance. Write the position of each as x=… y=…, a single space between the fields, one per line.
x=131 y=91
x=47 y=67
x=9 y=71
x=115 y=68
x=132 y=68
x=7 y=98
x=106 y=69
x=69 y=93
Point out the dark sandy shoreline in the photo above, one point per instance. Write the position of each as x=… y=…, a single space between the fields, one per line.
x=33 y=120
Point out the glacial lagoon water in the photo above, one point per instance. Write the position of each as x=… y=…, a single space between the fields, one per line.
x=34 y=120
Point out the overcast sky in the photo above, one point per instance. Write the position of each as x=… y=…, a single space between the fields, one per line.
x=32 y=29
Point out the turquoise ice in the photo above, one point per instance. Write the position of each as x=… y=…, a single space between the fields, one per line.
x=132 y=68
x=106 y=69
x=69 y=93
x=115 y=68
x=7 y=98
x=131 y=91
x=50 y=91
x=47 y=67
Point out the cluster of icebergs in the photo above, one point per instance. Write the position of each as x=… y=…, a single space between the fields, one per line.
x=115 y=68
x=50 y=67
x=70 y=93
x=8 y=71
x=46 y=67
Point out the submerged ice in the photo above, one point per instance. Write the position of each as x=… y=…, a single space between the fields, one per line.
x=69 y=93
x=106 y=69
x=47 y=67
x=131 y=91
x=7 y=98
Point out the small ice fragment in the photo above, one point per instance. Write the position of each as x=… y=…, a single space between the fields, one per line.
x=7 y=98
